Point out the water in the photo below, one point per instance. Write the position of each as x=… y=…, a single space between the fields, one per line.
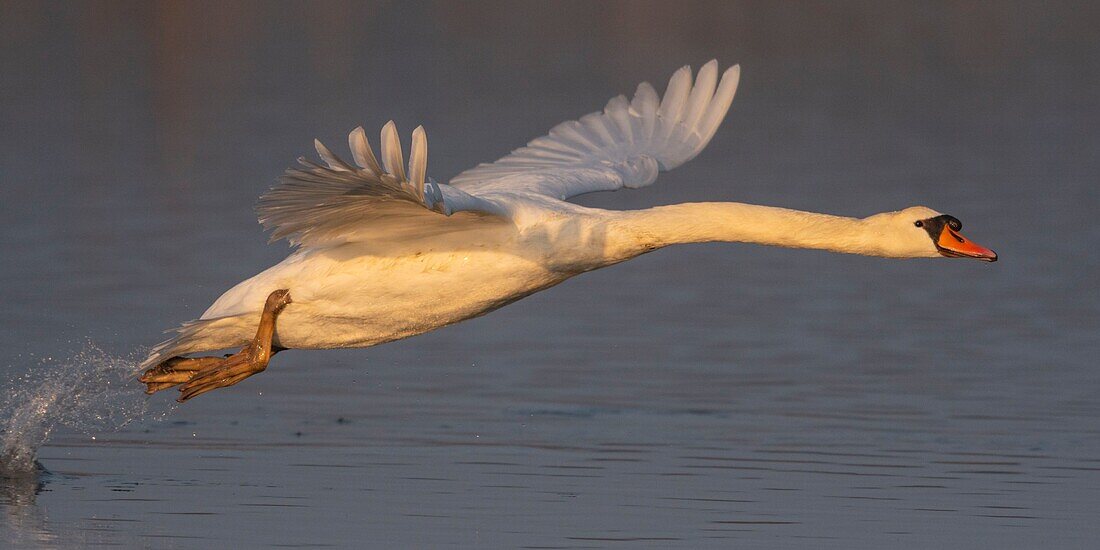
x=90 y=391
x=703 y=396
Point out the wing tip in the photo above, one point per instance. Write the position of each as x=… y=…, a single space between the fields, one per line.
x=392 y=159
x=418 y=161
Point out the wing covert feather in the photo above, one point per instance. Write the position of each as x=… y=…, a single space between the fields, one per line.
x=630 y=141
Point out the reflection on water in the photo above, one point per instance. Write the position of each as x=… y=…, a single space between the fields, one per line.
x=705 y=396
x=24 y=520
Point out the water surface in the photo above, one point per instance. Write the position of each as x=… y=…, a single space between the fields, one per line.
x=704 y=396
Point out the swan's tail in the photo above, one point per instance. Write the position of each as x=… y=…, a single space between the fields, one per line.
x=203 y=335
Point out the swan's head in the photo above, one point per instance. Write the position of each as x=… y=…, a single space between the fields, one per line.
x=921 y=232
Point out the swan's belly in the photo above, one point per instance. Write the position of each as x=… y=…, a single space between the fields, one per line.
x=345 y=300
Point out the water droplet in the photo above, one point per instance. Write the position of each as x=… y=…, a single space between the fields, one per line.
x=89 y=391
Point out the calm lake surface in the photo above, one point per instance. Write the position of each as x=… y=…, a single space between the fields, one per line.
x=710 y=396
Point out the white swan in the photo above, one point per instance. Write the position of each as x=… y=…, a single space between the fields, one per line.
x=384 y=254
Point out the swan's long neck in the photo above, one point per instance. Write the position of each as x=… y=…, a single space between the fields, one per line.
x=735 y=222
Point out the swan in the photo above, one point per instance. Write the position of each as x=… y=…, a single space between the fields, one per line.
x=382 y=252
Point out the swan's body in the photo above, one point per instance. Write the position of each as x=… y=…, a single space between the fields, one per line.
x=359 y=294
x=384 y=255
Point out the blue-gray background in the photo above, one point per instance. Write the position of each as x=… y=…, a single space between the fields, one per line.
x=705 y=396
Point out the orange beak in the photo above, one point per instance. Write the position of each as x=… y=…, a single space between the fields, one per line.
x=954 y=245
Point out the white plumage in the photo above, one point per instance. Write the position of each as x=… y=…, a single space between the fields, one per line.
x=630 y=141
x=385 y=253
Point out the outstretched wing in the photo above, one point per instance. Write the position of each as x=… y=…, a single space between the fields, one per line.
x=624 y=146
x=340 y=202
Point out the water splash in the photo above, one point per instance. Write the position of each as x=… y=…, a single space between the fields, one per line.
x=89 y=391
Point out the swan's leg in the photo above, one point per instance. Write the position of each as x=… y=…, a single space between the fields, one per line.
x=202 y=374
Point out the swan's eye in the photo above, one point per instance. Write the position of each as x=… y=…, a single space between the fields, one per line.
x=919 y=223
x=955 y=224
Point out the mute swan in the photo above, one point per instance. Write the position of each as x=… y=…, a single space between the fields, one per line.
x=384 y=253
